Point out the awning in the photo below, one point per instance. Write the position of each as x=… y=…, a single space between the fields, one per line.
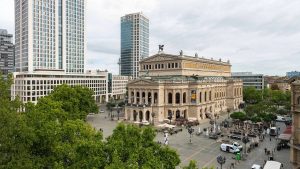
x=286 y=137
x=288 y=130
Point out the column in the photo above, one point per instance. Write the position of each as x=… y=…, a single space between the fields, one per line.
x=166 y=96
x=173 y=97
x=146 y=97
x=152 y=97
x=141 y=97
x=134 y=96
x=144 y=115
x=131 y=115
x=181 y=97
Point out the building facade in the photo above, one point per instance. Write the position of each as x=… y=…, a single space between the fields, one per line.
x=6 y=53
x=29 y=87
x=117 y=86
x=50 y=35
x=250 y=80
x=50 y=49
x=180 y=86
x=134 y=43
x=293 y=74
x=295 y=109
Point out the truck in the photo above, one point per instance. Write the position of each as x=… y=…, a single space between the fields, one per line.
x=229 y=148
x=273 y=165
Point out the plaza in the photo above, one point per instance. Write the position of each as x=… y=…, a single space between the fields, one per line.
x=202 y=149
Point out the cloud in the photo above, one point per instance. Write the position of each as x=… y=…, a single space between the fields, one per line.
x=262 y=36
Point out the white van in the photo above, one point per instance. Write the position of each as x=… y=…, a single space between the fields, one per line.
x=273 y=165
x=229 y=148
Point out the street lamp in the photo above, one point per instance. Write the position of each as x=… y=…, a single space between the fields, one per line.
x=190 y=131
x=245 y=140
x=221 y=160
x=228 y=111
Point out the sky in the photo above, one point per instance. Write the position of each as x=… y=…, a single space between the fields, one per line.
x=256 y=36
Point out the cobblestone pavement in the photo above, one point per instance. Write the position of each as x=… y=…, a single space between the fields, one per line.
x=203 y=149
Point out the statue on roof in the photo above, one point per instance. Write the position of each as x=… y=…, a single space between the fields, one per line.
x=161 y=48
x=181 y=53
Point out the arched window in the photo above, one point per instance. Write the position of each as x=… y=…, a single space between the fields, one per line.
x=200 y=97
x=205 y=97
x=137 y=97
x=143 y=97
x=184 y=97
x=170 y=98
x=132 y=97
x=177 y=98
x=155 y=97
x=209 y=95
x=149 y=98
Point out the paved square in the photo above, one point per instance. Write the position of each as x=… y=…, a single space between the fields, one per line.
x=203 y=149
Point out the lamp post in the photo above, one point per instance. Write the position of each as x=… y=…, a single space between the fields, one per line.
x=190 y=131
x=228 y=111
x=221 y=160
x=245 y=139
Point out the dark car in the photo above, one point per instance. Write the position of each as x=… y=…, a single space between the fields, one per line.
x=213 y=136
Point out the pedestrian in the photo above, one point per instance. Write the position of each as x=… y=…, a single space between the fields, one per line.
x=270 y=138
x=265 y=150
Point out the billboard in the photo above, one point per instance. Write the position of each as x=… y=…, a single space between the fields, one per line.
x=193 y=96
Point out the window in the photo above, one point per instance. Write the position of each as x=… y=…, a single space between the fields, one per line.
x=298 y=101
x=200 y=97
x=209 y=95
x=177 y=98
x=184 y=97
x=155 y=97
x=205 y=97
x=170 y=99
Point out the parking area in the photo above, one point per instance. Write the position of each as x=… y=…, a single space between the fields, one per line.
x=203 y=149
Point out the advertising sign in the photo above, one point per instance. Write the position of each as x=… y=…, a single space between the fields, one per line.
x=193 y=96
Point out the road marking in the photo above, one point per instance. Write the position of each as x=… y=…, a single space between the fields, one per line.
x=197 y=152
x=206 y=164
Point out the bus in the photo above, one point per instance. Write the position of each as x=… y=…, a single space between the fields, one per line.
x=273 y=165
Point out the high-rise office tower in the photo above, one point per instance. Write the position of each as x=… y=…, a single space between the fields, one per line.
x=50 y=35
x=134 y=43
x=6 y=53
x=50 y=49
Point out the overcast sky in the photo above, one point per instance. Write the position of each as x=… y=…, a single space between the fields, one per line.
x=260 y=36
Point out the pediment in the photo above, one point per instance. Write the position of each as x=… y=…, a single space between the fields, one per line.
x=159 y=57
x=142 y=82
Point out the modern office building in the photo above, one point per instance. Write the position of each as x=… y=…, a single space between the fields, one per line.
x=6 y=53
x=295 y=109
x=50 y=35
x=117 y=85
x=134 y=43
x=30 y=86
x=50 y=49
x=293 y=74
x=180 y=86
x=250 y=79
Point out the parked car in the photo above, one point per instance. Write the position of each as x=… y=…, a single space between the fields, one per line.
x=213 y=136
x=229 y=148
x=102 y=111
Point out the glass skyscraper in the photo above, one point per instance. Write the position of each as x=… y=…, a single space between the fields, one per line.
x=134 y=43
x=50 y=35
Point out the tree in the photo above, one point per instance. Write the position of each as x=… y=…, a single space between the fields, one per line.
x=274 y=86
x=109 y=106
x=133 y=147
x=192 y=165
x=77 y=101
x=251 y=95
x=238 y=115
